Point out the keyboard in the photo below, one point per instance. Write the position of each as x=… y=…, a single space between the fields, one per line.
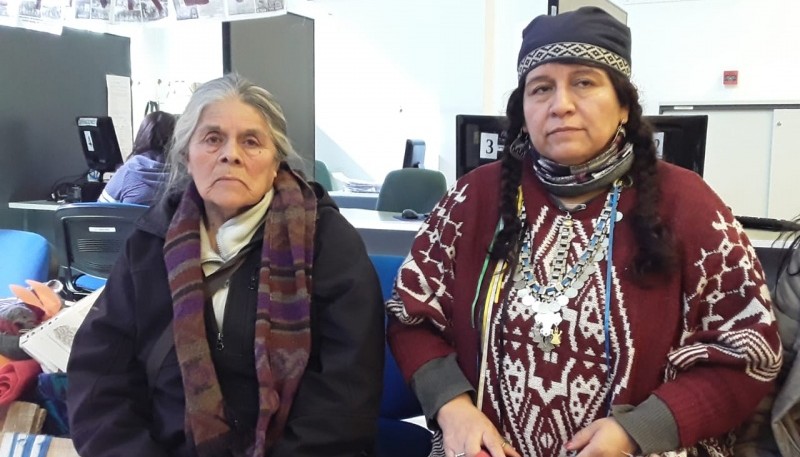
x=768 y=223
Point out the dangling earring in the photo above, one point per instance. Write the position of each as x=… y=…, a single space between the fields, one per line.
x=519 y=147
x=620 y=131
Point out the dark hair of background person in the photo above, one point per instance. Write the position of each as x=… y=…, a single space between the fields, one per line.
x=154 y=135
x=655 y=254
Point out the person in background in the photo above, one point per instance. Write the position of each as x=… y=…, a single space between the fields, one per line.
x=138 y=179
x=597 y=302
x=786 y=409
x=244 y=317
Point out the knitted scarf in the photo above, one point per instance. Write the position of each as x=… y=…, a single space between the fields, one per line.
x=282 y=333
x=598 y=173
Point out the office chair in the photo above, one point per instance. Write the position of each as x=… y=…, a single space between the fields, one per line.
x=89 y=238
x=411 y=188
x=415 y=154
x=26 y=255
x=396 y=437
x=322 y=175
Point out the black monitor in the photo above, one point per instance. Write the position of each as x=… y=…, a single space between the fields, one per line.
x=480 y=140
x=99 y=143
x=415 y=154
x=681 y=140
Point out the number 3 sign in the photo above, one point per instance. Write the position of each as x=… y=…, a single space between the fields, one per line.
x=489 y=146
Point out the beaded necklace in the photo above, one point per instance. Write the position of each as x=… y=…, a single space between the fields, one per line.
x=547 y=300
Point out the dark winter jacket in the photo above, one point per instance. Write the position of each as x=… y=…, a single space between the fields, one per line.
x=114 y=412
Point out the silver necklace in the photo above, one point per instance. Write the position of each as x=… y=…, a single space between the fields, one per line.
x=546 y=301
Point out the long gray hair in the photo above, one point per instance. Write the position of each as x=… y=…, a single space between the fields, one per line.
x=229 y=86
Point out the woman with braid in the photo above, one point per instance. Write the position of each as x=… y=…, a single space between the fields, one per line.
x=243 y=318
x=579 y=297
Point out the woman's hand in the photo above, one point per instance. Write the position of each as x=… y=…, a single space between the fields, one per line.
x=603 y=437
x=466 y=430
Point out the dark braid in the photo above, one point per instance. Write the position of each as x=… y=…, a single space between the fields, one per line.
x=655 y=255
x=510 y=180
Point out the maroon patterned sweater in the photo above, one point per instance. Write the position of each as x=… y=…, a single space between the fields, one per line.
x=702 y=341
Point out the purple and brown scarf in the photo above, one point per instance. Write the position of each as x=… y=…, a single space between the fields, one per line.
x=282 y=332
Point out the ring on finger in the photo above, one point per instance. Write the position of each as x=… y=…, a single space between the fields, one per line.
x=461 y=454
x=505 y=443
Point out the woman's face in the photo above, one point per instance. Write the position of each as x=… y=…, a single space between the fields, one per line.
x=571 y=111
x=232 y=158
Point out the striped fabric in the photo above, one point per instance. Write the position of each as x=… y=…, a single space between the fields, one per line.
x=282 y=332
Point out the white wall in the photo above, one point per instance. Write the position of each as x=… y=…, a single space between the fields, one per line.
x=176 y=53
x=680 y=50
x=390 y=70
x=511 y=16
x=395 y=69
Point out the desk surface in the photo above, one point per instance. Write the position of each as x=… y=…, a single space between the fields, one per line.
x=379 y=220
x=382 y=220
x=41 y=205
x=347 y=193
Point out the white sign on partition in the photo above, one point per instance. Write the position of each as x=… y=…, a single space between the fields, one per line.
x=488 y=145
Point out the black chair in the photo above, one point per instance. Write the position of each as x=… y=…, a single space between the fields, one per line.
x=89 y=238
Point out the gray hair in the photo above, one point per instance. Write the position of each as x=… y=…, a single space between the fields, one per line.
x=229 y=86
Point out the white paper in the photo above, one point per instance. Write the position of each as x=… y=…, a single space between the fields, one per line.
x=489 y=146
x=119 y=108
x=51 y=341
x=658 y=138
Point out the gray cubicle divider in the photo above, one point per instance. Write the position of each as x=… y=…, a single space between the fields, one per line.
x=752 y=154
x=277 y=53
x=46 y=81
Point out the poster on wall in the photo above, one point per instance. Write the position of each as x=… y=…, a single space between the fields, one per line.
x=93 y=9
x=41 y=15
x=196 y=9
x=5 y=13
x=237 y=7
x=140 y=10
x=154 y=10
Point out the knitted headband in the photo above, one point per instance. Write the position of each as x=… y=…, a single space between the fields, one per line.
x=588 y=34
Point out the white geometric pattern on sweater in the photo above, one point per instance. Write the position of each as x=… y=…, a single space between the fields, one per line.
x=430 y=290
x=549 y=396
x=762 y=362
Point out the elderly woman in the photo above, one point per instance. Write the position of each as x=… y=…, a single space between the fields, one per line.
x=599 y=301
x=244 y=317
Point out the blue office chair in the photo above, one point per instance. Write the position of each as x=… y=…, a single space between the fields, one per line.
x=26 y=255
x=397 y=438
x=89 y=238
x=411 y=188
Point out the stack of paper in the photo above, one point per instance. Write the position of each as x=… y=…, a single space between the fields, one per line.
x=50 y=342
x=356 y=185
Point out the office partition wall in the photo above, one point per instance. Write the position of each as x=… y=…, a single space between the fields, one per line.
x=277 y=53
x=46 y=82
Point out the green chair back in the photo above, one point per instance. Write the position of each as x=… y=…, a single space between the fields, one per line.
x=411 y=188
x=322 y=175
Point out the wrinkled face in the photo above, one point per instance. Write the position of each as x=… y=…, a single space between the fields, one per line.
x=232 y=158
x=571 y=111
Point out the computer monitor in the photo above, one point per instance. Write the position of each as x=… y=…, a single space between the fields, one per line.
x=681 y=140
x=415 y=154
x=562 y=6
x=99 y=143
x=480 y=140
